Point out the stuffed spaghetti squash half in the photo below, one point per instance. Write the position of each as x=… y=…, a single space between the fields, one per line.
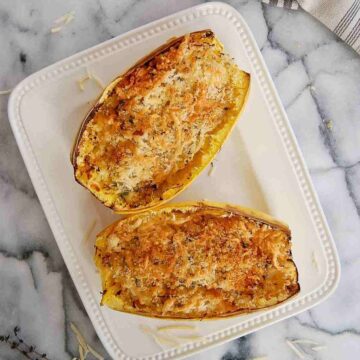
x=196 y=260
x=156 y=127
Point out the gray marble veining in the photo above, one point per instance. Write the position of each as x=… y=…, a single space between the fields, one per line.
x=318 y=79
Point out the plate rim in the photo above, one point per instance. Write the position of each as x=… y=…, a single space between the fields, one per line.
x=298 y=304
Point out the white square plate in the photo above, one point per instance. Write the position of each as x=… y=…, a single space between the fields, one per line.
x=260 y=166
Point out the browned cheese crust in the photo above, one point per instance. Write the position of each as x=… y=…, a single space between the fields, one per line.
x=193 y=262
x=158 y=125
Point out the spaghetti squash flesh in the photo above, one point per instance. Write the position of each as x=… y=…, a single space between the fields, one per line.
x=157 y=126
x=197 y=260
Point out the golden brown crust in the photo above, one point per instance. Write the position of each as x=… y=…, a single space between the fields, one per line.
x=90 y=115
x=156 y=127
x=196 y=260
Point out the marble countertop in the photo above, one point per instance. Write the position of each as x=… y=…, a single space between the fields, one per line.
x=318 y=79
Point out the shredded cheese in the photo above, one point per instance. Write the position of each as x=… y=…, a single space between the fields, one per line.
x=79 y=337
x=259 y=358
x=69 y=19
x=82 y=81
x=304 y=341
x=56 y=29
x=318 y=348
x=89 y=76
x=165 y=340
x=81 y=353
x=295 y=349
x=63 y=20
x=176 y=327
x=329 y=124
x=189 y=337
x=162 y=336
x=84 y=348
x=95 y=353
x=5 y=92
x=98 y=81
x=159 y=338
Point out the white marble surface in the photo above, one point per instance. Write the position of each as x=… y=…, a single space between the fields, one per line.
x=318 y=79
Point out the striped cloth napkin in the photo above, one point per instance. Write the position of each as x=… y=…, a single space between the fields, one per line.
x=340 y=16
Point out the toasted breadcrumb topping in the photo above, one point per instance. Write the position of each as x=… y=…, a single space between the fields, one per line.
x=194 y=264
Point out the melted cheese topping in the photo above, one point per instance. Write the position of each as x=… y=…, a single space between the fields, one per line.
x=194 y=263
x=148 y=134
